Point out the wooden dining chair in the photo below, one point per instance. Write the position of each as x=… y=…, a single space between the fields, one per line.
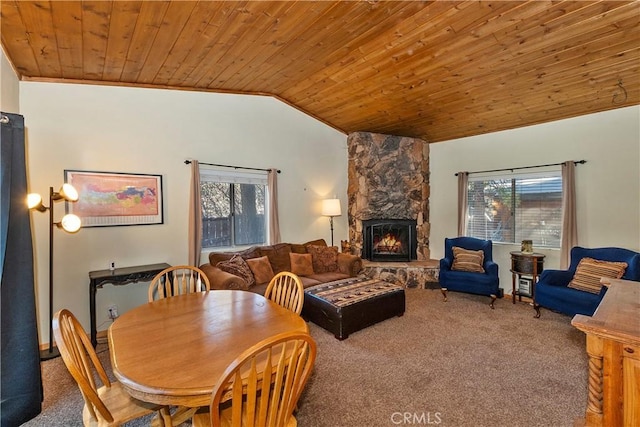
x=110 y=404
x=181 y=279
x=286 y=289
x=262 y=386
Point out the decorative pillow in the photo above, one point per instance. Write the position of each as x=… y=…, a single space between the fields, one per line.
x=216 y=257
x=278 y=255
x=261 y=269
x=589 y=271
x=468 y=260
x=302 y=248
x=324 y=258
x=238 y=266
x=301 y=264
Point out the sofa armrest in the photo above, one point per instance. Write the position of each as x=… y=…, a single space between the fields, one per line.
x=349 y=264
x=556 y=277
x=221 y=280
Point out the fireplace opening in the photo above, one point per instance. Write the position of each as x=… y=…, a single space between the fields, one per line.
x=389 y=239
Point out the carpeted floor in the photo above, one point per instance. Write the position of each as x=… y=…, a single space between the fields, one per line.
x=450 y=364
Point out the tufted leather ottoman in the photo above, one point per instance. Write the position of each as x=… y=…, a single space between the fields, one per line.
x=349 y=305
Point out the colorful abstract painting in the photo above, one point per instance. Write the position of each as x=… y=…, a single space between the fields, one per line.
x=107 y=198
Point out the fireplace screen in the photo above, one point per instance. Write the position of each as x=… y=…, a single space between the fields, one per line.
x=389 y=240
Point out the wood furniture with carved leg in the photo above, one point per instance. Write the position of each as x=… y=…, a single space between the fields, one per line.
x=613 y=346
x=117 y=277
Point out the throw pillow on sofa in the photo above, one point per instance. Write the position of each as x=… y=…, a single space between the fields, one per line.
x=301 y=248
x=590 y=271
x=467 y=260
x=216 y=257
x=261 y=269
x=238 y=266
x=324 y=258
x=301 y=264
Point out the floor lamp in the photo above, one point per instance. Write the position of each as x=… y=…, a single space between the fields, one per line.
x=69 y=223
x=331 y=208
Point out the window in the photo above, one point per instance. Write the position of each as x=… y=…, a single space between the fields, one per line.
x=233 y=208
x=513 y=208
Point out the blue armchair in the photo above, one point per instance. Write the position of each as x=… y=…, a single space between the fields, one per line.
x=552 y=289
x=486 y=283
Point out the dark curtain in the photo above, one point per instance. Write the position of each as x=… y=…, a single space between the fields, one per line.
x=21 y=390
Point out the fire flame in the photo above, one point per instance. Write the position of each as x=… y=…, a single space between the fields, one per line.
x=388 y=243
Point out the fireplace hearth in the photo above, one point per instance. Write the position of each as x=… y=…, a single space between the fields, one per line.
x=389 y=239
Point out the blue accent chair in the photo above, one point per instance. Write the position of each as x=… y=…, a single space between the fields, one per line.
x=552 y=291
x=486 y=283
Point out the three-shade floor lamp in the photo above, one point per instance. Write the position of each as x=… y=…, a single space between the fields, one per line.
x=69 y=223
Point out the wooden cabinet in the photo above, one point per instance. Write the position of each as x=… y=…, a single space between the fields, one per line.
x=613 y=346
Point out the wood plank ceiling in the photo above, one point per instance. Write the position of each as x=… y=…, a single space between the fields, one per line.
x=433 y=70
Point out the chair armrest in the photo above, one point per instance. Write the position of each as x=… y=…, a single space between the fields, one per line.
x=446 y=263
x=349 y=264
x=491 y=268
x=556 y=277
x=222 y=280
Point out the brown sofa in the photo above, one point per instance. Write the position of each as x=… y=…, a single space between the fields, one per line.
x=346 y=265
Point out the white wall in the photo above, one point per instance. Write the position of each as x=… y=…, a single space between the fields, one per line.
x=9 y=86
x=607 y=186
x=118 y=129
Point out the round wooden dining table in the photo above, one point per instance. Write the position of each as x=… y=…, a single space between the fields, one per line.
x=172 y=351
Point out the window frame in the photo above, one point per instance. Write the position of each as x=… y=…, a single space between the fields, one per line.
x=517 y=219
x=236 y=177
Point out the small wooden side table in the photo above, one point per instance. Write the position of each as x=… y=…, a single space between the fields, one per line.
x=528 y=264
x=118 y=276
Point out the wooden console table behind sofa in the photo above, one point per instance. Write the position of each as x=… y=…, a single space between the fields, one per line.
x=613 y=346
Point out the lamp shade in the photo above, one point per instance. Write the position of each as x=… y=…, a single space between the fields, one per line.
x=70 y=223
x=331 y=207
x=34 y=201
x=68 y=192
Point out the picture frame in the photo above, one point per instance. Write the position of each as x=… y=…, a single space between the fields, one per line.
x=108 y=199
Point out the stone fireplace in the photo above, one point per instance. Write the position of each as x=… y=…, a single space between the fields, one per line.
x=388 y=179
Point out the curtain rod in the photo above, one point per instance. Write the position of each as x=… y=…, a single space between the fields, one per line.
x=577 y=162
x=188 y=162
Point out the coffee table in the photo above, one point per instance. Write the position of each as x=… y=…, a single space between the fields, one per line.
x=349 y=305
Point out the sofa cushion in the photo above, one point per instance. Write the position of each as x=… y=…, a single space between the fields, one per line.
x=216 y=257
x=301 y=264
x=261 y=269
x=278 y=255
x=467 y=260
x=325 y=277
x=590 y=271
x=238 y=266
x=302 y=248
x=324 y=258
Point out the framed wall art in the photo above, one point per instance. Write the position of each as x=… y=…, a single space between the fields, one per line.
x=111 y=198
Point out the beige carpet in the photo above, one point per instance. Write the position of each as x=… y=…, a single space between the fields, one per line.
x=449 y=364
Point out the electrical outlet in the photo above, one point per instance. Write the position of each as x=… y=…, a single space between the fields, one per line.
x=113 y=312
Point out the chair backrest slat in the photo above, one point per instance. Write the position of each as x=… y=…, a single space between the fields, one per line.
x=81 y=361
x=286 y=289
x=265 y=382
x=178 y=280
